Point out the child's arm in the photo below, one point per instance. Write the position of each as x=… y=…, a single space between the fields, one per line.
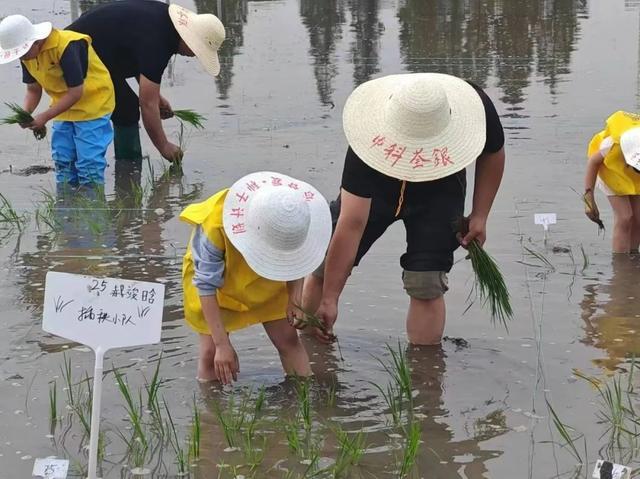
x=593 y=165
x=208 y=261
x=590 y=176
x=32 y=97
x=294 y=288
x=69 y=99
x=225 y=361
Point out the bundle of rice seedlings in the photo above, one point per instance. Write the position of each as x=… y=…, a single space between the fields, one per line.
x=21 y=116
x=190 y=117
x=489 y=280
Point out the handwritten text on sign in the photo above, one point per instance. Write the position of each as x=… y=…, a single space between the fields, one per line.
x=106 y=312
x=609 y=470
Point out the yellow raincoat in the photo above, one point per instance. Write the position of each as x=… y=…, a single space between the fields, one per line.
x=98 y=97
x=614 y=172
x=245 y=298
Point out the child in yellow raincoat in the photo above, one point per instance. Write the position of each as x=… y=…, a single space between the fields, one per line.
x=250 y=248
x=614 y=166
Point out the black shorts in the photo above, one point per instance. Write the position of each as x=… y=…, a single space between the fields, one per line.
x=430 y=222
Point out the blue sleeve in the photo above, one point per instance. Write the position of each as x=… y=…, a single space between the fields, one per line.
x=208 y=262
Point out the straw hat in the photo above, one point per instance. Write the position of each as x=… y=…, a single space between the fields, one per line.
x=630 y=144
x=203 y=34
x=416 y=127
x=280 y=225
x=18 y=34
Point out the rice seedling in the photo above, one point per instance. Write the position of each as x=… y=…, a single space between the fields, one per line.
x=311 y=320
x=566 y=434
x=46 y=213
x=232 y=419
x=303 y=393
x=20 y=116
x=253 y=455
x=194 y=438
x=53 y=405
x=410 y=452
x=399 y=392
x=153 y=403
x=134 y=412
x=490 y=283
x=190 y=117
x=181 y=456
x=9 y=216
x=352 y=448
x=66 y=375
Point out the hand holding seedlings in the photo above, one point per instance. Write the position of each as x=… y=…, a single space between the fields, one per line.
x=23 y=118
x=591 y=208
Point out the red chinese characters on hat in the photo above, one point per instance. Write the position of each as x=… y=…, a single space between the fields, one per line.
x=309 y=195
x=242 y=197
x=183 y=18
x=238 y=228
x=395 y=152
x=237 y=212
x=276 y=181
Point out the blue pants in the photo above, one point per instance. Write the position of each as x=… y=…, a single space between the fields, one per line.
x=79 y=150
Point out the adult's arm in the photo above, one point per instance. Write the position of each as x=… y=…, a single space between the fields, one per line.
x=354 y=214
x=150 y=109
x=489 y=170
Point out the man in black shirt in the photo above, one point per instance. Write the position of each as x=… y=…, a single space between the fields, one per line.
x=410 y=139
x=137 y=38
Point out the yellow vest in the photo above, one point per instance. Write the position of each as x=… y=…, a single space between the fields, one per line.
x=614 y=172
x=245 y=297
x=98 y=98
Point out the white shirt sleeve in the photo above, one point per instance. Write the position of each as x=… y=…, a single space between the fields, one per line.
x=606 y=145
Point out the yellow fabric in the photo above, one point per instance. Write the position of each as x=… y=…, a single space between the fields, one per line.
x=98 y=97
x=614 y=172
x=245 y=298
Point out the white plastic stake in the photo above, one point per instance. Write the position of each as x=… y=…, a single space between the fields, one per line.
x=545 y=219
x=95 y=414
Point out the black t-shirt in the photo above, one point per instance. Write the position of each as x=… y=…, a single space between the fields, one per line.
x=360 y=179
x=74 y=63
x=131 y=37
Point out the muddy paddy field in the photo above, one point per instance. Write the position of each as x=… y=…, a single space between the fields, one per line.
x=479 y=406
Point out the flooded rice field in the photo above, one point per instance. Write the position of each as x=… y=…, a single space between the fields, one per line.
x=479 y=404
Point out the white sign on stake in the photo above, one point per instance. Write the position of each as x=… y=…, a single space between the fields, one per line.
x=545 y=219
x=609 y=470
x=51 y=468
x=102 y=313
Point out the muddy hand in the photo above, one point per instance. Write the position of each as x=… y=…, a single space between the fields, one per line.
x=591 y=208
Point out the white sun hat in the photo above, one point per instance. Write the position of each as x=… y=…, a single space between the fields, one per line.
x=417 y=126
x=280 y=225
x=630 y=144
x=18 y=34
x=203 y=34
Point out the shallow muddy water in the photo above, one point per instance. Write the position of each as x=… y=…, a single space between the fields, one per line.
x=555 y=69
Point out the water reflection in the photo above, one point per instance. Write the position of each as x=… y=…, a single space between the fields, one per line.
x=367 y=30
x=233 y=14
x=477 y=39
x=610 y=312
x=323 y=20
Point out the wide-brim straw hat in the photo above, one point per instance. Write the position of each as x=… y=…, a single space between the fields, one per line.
x=202 y=33
x=630 y=145
x=18 y=34
x=417 y=126
x=280 y=225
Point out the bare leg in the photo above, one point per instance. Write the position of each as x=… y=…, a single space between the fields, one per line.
x=635 y=229
x=425 y=321
x=293 y=356
x=622 y=223
x=206 y=371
